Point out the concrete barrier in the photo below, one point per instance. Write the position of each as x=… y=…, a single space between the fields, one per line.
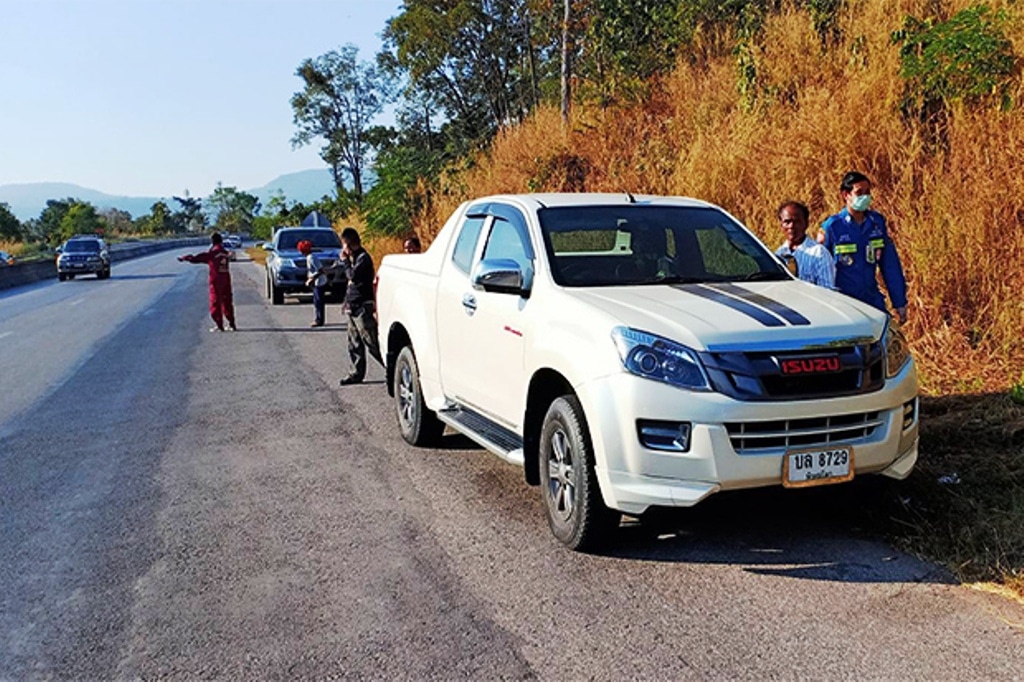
x=26 y=273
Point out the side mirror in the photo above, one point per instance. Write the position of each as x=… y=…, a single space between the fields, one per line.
x=267 y=246
x=58 y=251
x=500 y=275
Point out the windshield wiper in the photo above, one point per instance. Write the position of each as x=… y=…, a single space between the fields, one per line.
x=764 y=277
x=675 y=279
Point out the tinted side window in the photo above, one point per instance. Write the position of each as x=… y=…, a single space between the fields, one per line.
x=506 y=241
x=465 y=245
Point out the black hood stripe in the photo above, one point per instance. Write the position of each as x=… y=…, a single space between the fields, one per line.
x=762 y=316
x=780 y=309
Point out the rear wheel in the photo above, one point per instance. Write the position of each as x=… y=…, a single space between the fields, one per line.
x=576 y=513
x=419 y=424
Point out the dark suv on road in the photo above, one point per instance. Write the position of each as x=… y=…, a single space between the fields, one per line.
x=286 y=267
x=83 y=255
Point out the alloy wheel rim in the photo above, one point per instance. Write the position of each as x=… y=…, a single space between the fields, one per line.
x=406 y=395
x=561 y=482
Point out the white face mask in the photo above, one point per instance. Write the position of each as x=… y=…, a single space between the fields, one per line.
x=860 y=202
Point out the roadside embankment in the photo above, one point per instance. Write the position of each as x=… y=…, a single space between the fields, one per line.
x=26 y=273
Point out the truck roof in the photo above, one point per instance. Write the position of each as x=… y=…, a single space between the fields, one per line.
x=543 y=200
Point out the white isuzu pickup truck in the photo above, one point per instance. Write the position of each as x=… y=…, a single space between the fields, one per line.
x=636 y=352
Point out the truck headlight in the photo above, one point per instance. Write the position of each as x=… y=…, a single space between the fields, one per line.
x=897 y=350
x=657 y=358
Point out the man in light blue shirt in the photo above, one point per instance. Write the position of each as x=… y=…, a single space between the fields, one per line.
x=811 y=260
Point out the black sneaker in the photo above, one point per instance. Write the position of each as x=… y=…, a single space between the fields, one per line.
x=348 y=381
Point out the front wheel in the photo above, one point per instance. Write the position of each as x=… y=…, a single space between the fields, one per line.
x=576 y=513
x=419 y=424
x=276 y=295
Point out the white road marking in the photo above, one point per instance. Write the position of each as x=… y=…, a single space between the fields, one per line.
x=4 y=335
x=77 y=301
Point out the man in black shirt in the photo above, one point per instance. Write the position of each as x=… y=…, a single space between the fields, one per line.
x=362 y=319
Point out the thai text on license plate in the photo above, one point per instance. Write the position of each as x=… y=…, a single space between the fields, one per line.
x=819 y=466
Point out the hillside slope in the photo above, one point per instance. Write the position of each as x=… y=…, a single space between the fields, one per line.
x=788 y=126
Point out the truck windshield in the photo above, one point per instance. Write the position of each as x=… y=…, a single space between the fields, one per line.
x=82 y=246
x=323 y=239
x=637 y=244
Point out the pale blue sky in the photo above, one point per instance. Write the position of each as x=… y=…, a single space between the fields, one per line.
x=153 y=97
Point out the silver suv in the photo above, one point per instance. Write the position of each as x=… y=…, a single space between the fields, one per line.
x=83 y=255
x=286 y=267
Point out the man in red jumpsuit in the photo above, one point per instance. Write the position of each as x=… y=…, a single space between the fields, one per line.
x=217 y=258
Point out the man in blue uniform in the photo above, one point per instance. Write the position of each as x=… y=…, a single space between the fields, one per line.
x=859 y=241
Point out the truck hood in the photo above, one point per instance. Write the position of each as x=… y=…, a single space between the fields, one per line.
x=293 y=254
x=720 y=316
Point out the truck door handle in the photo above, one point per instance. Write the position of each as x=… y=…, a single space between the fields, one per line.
x=469 y=303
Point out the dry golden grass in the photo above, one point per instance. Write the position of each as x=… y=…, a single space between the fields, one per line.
x=257 y=255
x=13 y=248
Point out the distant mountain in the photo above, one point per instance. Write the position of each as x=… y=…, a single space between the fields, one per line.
x=305 y=186
x=29 y=199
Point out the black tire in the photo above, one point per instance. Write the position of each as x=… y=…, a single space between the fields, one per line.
x=418 y=424
x=70 y=275
x=266 y=287
x=61 y=276
x=276 y=295
x=572 y=497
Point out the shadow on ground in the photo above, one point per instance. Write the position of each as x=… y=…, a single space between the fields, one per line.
x=137 y=277
x=833 y=533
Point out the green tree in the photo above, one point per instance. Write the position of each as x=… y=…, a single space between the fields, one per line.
x=160 y=220
x=626 y=43
x=81 y=218
x=408 y=162
x=10 y=226
x=474 y=60
x=117 y=221
x=968 y=57
x=338 y=101
x=47 y=227
x=232 y=210
x=190 y=217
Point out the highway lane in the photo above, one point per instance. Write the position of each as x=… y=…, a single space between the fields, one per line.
x=50 y=328
x=189 y=504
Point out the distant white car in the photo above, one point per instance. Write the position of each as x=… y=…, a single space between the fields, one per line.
x=232 y=242
x=6 y=259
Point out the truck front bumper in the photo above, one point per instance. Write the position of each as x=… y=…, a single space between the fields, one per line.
x=634 y=477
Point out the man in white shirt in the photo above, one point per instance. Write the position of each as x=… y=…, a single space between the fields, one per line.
x=812 y=261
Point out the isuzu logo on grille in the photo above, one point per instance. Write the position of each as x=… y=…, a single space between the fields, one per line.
x=819 y=365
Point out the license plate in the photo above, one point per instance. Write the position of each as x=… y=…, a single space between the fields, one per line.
x=820 y=466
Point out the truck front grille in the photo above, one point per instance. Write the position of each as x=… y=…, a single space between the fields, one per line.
x=779 y=434
x=758 y=376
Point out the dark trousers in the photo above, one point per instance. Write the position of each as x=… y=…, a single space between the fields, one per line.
x=318 y=304
x=362 y=338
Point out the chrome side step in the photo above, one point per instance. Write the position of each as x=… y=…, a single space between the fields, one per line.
x=493 y=436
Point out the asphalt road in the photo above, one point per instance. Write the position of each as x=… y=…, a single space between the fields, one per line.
x=176 y=503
